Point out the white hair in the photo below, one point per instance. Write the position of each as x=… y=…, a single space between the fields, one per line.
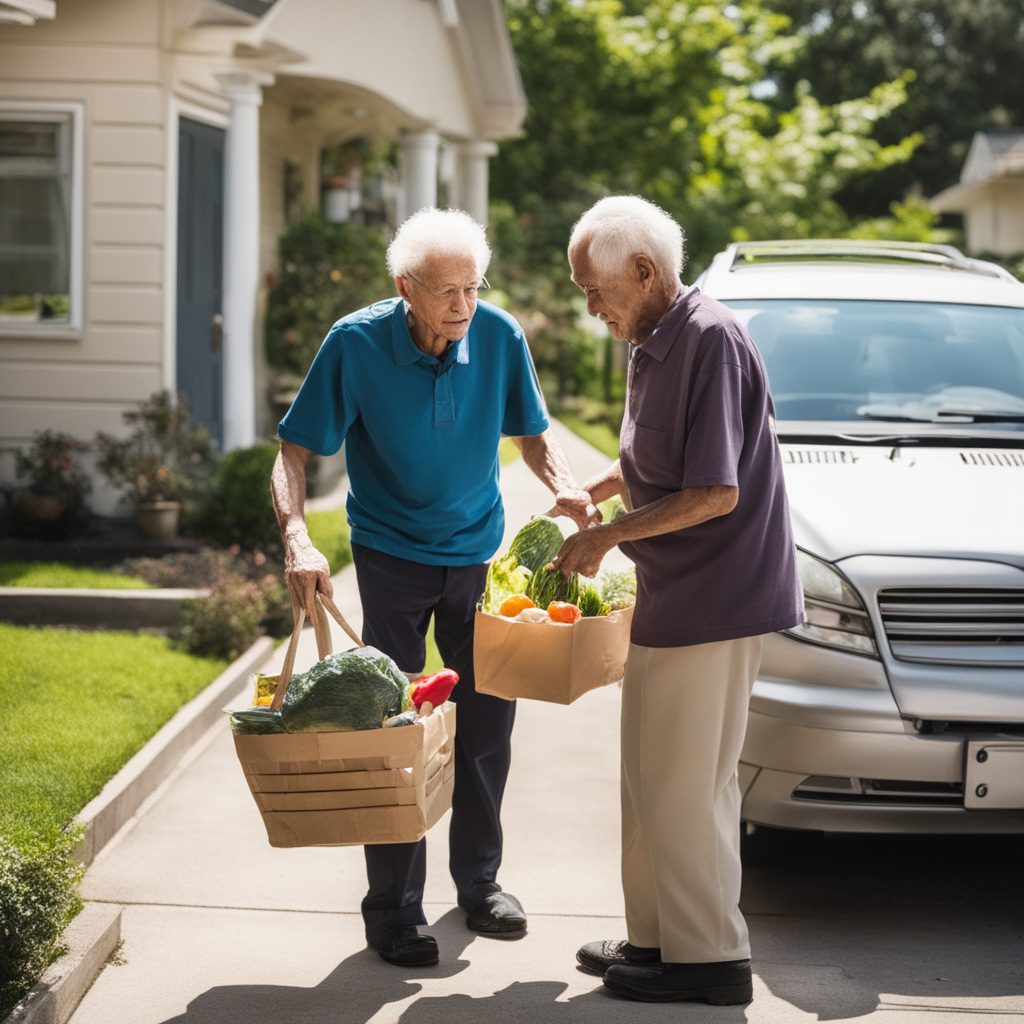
x=429 y=233
x=617 y=228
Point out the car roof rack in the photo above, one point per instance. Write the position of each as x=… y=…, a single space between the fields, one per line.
x=818 y=250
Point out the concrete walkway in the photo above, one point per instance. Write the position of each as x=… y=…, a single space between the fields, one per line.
x=221 y=929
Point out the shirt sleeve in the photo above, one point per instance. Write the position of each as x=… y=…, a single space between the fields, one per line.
x=525 y=412
x=322 y=412
x=714 y=434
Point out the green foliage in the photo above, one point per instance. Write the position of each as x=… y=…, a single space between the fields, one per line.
x=536 y=543
x=547 y=585
x=601 y=435
x=233 y=617
x=239 y=508
x=38 y=897
x=591 y=603
x=164 y=458
x=966 y=54
x=327 y=271
x=504 y=578
x=50 y=469
x=329 y=533
x=618 y=589
x=62 y=574
x=911 y=221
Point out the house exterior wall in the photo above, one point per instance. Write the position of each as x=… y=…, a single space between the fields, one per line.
x=103 y=55
x=994 y=219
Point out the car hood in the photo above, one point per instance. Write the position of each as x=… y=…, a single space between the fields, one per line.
x=938 y=502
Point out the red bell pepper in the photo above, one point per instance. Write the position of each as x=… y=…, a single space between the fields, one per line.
x=436 y=688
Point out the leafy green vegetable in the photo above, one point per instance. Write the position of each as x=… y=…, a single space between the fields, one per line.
x=547 y=585
x=536 y=543
x=591 y=604
x=618 y=589
x=504 y=578
x=352 y=690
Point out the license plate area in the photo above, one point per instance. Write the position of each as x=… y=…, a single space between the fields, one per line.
x=994 y=775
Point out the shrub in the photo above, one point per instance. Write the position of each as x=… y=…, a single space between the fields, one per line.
x=239 y=508
x=164 y=458
x=327 y=271
x=38 y=897
x=234 y=616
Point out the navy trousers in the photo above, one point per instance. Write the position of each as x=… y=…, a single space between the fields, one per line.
x=398 y=598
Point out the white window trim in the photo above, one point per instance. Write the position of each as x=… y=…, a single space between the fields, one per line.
x=72 y=330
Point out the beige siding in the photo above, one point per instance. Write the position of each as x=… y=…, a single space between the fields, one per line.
x=104 y=55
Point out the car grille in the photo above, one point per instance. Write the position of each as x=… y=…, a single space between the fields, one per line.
x=955 y=625
x=834 y=789
x=819 y=457
x=1009 y=459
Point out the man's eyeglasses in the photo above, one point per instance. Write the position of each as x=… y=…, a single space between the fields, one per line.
x=449 y=293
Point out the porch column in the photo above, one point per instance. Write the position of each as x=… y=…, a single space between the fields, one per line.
x=419 y=171
x=473 y=178
x=241 y=254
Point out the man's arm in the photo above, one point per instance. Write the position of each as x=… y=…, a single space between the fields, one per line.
x=607 y=484
x=544 y=455
x=305 y=569
x=583 y=551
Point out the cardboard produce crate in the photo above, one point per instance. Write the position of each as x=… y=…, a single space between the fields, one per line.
x=352 y=788
x=349 y=788
x=551 y=661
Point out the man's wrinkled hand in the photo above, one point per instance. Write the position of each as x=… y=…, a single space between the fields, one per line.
x=306 y=571
x=583 y=552
x=577 y=506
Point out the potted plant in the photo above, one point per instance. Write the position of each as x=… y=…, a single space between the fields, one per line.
x=162 y=462
x=47 y=506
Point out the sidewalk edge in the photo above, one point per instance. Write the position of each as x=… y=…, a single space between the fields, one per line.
x=90 y=939
x=122 y=796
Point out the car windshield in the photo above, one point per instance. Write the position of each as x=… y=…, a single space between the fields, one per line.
x=891 y=361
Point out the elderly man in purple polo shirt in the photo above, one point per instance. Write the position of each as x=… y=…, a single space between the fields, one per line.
x=709 y=530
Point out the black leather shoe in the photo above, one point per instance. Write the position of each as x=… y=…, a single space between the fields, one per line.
x=408 y=948
x=599 y=956
x=498 y=914
x=725 y=983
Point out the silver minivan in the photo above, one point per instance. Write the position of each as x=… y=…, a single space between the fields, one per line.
x=897 y=372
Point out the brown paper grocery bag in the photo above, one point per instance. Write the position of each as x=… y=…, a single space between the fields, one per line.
x=550 y=661
x=350 y=788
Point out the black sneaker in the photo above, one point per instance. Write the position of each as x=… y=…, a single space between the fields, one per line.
x=407 y=948
x=599 y=956
x=725 y=983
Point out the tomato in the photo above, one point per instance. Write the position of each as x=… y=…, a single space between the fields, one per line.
x=561 y=611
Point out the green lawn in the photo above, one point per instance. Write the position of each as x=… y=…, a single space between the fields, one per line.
x=508 y=451
x=600 y=435
x=329 y=533
x=76 y=707
x=61 y=574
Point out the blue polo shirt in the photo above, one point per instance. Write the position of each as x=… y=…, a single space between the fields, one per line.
x=422 y=434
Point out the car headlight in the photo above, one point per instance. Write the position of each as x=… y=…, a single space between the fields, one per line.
x=835 y=614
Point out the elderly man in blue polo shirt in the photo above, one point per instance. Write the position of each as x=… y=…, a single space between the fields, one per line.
x=421 y=388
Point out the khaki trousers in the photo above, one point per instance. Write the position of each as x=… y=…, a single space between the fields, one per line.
x=684 y=715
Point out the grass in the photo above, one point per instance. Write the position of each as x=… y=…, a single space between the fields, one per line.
x=329 y=532
x=63 y=574
x=76 y=707
x=600 y=435
x=508 y=451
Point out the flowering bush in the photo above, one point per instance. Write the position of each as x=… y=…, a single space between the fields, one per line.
x=50 y=469
x=165 y=458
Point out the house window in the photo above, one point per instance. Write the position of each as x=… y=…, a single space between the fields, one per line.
x=38 y=259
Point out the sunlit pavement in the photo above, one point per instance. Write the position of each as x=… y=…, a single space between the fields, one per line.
x=220 y=928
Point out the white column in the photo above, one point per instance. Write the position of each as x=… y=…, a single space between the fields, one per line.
x=241 y=254
x=419 y=171
x=473 y=178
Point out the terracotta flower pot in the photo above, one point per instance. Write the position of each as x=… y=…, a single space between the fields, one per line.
x=158 y=520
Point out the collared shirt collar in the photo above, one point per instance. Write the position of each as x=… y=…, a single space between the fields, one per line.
x=404 y=348
x=669 y=326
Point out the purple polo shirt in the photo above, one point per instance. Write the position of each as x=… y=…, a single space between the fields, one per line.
x=698 y=413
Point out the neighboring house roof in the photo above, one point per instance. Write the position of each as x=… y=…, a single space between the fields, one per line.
x=256 y=7
x=992 y=155
x=25 y=12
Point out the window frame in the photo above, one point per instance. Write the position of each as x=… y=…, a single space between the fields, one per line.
x=42 y=110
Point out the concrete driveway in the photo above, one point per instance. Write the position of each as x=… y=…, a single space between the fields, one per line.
x=219 y=928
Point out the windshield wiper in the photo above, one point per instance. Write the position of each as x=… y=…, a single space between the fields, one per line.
x=946 y=415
